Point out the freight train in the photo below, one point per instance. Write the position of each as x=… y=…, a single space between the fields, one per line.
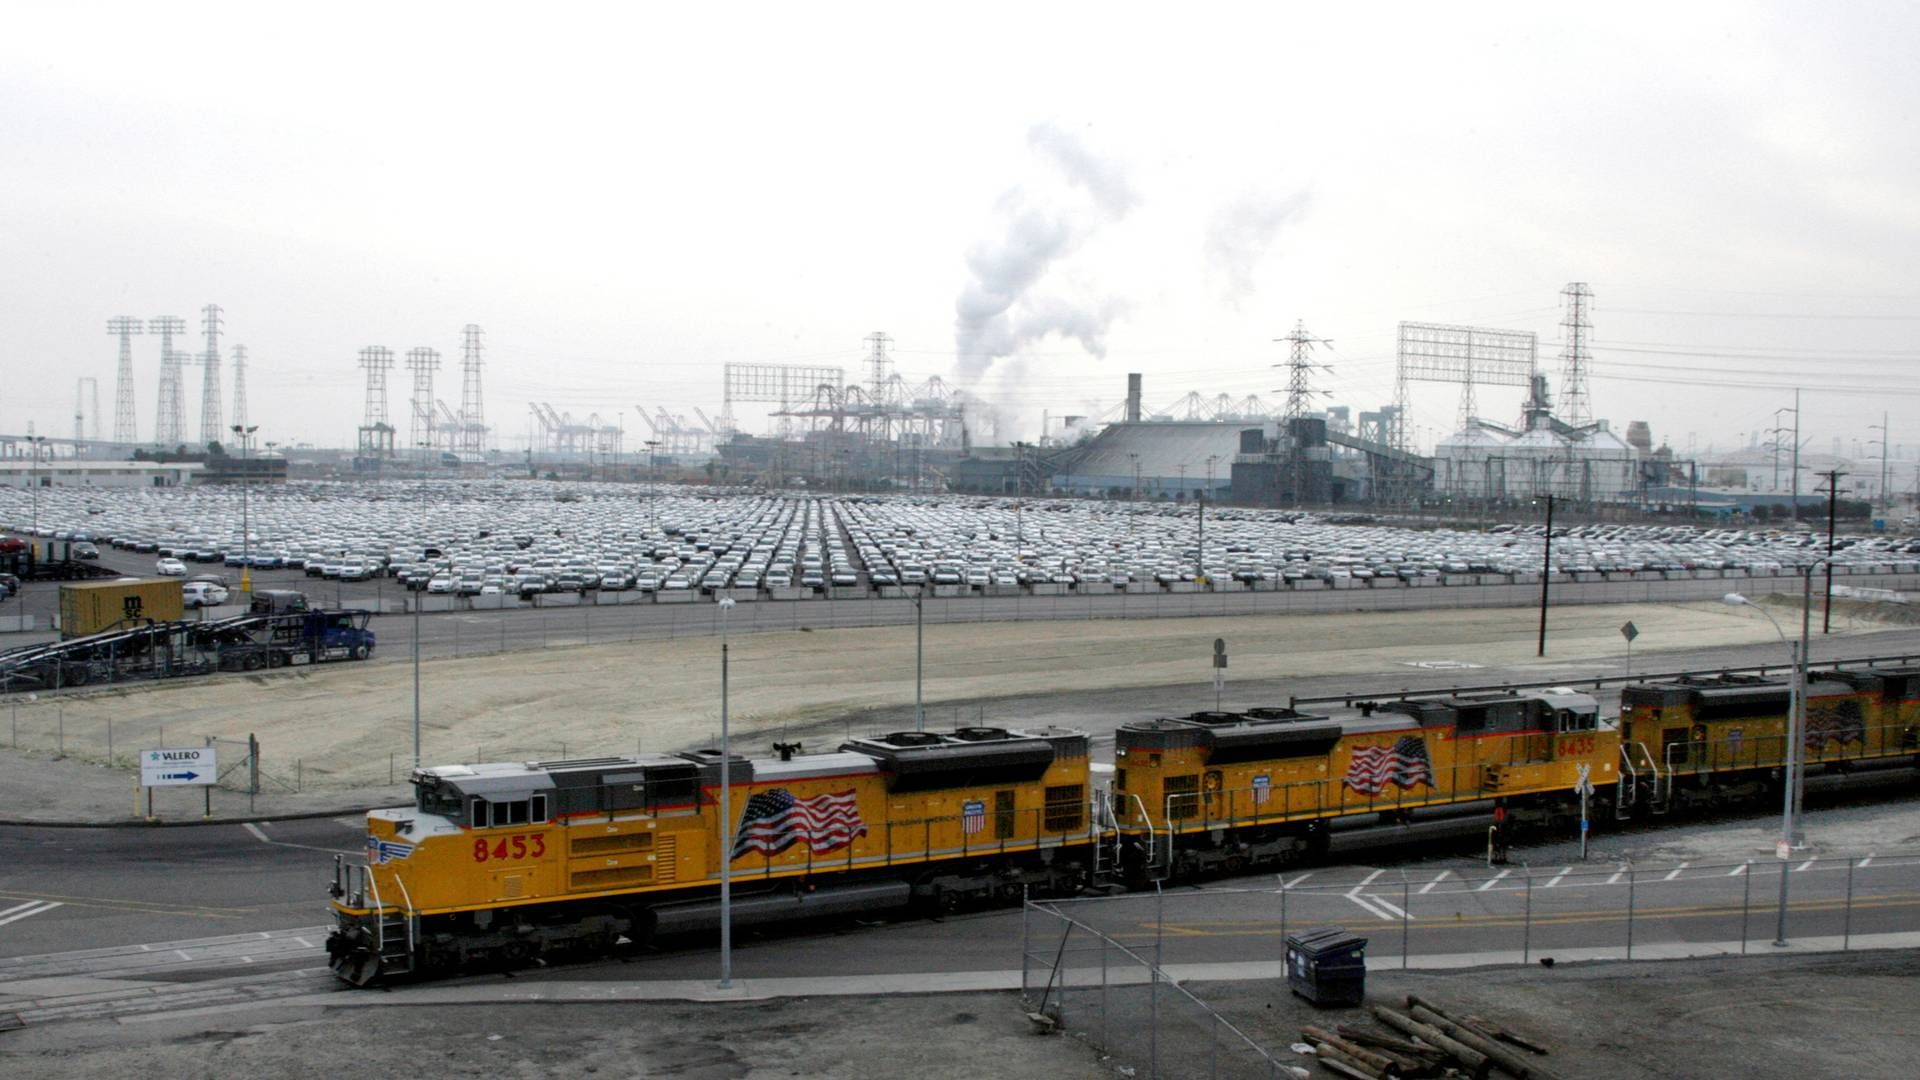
x=504 y=863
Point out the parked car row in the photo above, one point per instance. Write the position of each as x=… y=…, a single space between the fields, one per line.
x=523 y=538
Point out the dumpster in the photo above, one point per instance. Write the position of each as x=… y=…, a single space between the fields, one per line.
x=1327 y=965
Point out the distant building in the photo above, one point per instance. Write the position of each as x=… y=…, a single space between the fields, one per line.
x=1545 y=456
x=67 y=472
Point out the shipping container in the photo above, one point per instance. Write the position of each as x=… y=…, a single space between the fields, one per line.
x=90 y=607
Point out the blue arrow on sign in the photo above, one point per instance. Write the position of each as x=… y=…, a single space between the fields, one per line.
x=180 y=776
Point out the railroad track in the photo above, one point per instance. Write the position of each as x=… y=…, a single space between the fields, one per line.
x=130 y=980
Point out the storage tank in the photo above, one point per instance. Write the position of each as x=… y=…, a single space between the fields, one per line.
x=89 y=607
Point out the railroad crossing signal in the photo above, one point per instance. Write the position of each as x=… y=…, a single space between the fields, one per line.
x=1584 y=784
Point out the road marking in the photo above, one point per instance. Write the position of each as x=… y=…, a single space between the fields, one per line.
x=1295 y=883
x=1366 y=903
x=1556 y=878
x=1435 y=881
x=1366 y=906
x=26 y=911
x=1738 y=870
x=135 y=905
x=1805 y=865
x=1675 y=872
x=1394 y=909
x=265 y=839
x=304 y=943
x=1864 y=862
x=1489 y=883
x=182 y=954
x=1616 y=875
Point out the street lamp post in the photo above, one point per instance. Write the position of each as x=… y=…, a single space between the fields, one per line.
x=246 y=520
x=33 y=480
x=726 y=813
x=919 y=639
x=1791 y=835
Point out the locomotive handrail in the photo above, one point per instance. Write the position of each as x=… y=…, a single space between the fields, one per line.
x=406 y=911
x=1595 y=681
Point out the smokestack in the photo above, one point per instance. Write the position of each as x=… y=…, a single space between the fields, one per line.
x=1133 y=398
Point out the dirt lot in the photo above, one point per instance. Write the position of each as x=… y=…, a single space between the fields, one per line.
x=334 y=727
x=972 y=1035
x=1759 y=1018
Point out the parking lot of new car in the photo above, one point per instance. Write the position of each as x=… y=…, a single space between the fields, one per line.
x=520 y=540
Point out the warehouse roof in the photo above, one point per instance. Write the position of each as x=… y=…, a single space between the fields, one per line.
x=1163 y=449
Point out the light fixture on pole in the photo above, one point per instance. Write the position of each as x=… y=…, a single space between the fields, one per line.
x=1790 y=834
x=919 y=653
x=33 y=481
x=726 y=813
x=246 y=520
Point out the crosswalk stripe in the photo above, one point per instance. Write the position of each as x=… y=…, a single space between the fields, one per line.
x=28 y=911
x=1492 y=880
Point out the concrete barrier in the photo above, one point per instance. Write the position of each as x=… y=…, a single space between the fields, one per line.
x=676 y=596
x=492 y=603
x=1049 y=588
x=1387 y=583
x=847 y=592
x=1172 y=586
x=1226 y=585
x=16 y=624
x=788 y=592
x=950 y=590
x=741 y=596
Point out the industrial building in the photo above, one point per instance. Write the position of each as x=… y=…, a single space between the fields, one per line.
x=1543 y=456
x=68 y=472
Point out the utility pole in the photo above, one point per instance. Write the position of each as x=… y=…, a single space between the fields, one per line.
x=124 y=327
x=1833 y=498
x=1546 y=577
x=1796 y=457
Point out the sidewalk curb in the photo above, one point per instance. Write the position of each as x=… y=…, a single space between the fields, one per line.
x=137 y=823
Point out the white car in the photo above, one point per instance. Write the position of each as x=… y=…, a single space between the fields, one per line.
x=198 y=594
x=170 y=568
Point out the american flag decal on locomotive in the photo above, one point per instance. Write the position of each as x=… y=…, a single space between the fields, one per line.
x=774 y=821
x=1404 y=763
x=385 y=851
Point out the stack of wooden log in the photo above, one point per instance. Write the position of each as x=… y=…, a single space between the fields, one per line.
x=1427 y=1041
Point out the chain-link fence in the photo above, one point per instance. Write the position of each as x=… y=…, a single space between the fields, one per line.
x=1129 y=973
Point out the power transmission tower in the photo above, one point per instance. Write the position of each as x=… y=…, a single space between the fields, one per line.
x=211 y=425
x=376 y=435
x=473 y=421
x=240 y=386
x=1577 y=360
x=1300 y=394
x=81 y=410
x=168 y=424
x=423 y=363
x=1300 y=367
x=123 y=425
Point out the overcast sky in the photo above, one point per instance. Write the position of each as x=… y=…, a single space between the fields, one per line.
x=1032 y=200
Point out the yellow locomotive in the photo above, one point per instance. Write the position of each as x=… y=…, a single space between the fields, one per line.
x=1702 y=741
x=1219 y=791
x=507 y=862
x=502 y=863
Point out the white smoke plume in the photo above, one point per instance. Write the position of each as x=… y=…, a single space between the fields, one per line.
x=998 y=312
x=1241 y=233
